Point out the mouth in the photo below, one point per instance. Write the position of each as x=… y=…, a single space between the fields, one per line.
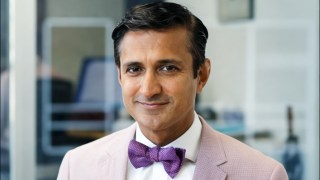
x=153 y=105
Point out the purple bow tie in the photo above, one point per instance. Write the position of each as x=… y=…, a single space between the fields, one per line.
x=141 y=155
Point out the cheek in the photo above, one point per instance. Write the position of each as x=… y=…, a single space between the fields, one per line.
x=182 y=88
x=128 y=89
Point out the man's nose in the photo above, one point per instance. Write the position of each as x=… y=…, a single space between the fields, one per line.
x=150 y=85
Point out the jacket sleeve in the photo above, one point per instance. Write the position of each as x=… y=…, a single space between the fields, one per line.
x=64 y=168
x=279 y=173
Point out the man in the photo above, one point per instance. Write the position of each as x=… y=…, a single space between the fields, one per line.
x=160 y=56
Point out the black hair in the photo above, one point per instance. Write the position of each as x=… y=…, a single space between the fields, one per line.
x=159 y=16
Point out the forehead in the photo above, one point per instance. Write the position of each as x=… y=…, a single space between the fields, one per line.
x=171 y=36
x=173 y=41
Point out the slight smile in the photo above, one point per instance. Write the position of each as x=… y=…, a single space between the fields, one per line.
x=153 y=105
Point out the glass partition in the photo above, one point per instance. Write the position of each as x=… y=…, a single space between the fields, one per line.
x=78 y=96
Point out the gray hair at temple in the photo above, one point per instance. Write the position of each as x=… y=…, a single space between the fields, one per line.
x=159 y=16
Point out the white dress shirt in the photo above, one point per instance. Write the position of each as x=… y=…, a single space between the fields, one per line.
x=189 y=141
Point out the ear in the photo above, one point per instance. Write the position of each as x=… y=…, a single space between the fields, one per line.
x=203 y=74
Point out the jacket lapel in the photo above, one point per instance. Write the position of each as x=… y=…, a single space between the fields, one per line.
x=210 y=156
x=117 y=160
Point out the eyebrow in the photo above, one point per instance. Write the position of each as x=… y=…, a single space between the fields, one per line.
x=170 y=61
x=132 y=63
x=159 y=62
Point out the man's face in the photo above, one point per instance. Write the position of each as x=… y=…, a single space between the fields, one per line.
x=156 y=76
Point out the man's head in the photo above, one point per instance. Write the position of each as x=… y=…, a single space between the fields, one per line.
x=160 y=16
x=160 y=68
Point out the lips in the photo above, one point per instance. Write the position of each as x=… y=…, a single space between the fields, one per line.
x=153 y=105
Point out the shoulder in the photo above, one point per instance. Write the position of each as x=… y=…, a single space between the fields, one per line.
x=105 y=143
x=90 y=161
x=239 y=151
x=243 y=161
x=102 y=148
x=231 y=148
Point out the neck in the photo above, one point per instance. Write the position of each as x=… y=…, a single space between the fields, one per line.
x=164 y=137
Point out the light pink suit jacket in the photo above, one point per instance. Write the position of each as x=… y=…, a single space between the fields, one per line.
x=220 y=158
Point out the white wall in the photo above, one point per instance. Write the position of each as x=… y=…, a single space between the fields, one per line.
x=224 y=71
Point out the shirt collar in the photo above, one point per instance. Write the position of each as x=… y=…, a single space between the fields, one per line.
x=189 y=140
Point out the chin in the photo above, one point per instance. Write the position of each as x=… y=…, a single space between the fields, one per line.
x=153 y=124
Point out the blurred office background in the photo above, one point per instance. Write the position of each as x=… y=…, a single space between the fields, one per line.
x=59 y=88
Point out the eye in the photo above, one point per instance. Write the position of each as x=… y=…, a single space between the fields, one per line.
x=133 y=70
x=169 y=68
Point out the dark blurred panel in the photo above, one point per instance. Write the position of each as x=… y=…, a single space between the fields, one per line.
x=4 y=34
x=74 y=138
